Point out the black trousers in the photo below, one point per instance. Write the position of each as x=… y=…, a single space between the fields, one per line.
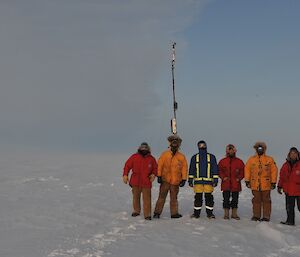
x=227 y=204
x=209 y=202
x=290 y=207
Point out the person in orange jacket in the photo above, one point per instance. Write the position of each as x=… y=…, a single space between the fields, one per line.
x=171 y=174
x=143 y=169
x=261 y=176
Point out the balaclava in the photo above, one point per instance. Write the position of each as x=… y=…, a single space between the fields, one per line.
x=202 y=147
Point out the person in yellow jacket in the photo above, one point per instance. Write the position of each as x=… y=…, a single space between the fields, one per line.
x=261 y=177
x=171 y=174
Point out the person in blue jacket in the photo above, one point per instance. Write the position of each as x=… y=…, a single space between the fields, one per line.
x=203 y=177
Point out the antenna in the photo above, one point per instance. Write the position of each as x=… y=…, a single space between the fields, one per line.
x=175 y=105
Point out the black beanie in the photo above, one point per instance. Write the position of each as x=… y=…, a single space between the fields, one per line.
x=201 y=142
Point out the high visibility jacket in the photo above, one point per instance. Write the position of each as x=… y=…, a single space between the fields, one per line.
x=142 y=167
x=172 y=168
x=231 y=171
x=261 y=172
x=203 y=169
x=289 y=179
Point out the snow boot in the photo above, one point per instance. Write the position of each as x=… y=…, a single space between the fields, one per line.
x=234 y=214
x=176 y=216
x=210 y=214
x=287 y=223
x=196 y=214
x=156 y=215
x=226 y=214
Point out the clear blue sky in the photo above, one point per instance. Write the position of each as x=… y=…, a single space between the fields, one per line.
x=95 y=75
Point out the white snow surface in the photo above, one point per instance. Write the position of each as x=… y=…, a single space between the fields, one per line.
x=76 y=205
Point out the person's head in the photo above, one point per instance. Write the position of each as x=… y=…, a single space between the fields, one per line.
x=175 y=142
x=202 y=147
x=144 y=149
x=260 y=148
x=230 y=150
x=293 y=155
x=202 y=144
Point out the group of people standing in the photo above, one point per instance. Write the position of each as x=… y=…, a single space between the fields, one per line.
x=172 y=172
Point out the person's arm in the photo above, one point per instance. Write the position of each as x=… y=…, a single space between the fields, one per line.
x=241 y=170
x=214 y=170
x=127 y=167
x=192 y=171
x=221 y=169
x=274 y=172
x=247 y=173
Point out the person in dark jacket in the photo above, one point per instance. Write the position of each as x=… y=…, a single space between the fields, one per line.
x=203 y=177
x=144 y=170
x=231 y=171
x=289 y=183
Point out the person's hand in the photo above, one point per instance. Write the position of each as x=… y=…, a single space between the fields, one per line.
x=215 y=184
x=159 y=180
x=279 y=190
x=226 y=178
x=152 y=178
x=125 y=179
x=191 y=184
x=273 y=186
x=247 y=184
x=182 y=183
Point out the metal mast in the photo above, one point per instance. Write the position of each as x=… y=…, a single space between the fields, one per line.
x=175 y=105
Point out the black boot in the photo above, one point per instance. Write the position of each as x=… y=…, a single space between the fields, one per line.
x=210 y=214
x=134 y=214
x=196 y=214
x=176 y=216
x=156 y=215
x=287 y=223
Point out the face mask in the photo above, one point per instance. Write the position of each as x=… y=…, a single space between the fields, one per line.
x=260 y=150
x=174 y=146
x=143 y=152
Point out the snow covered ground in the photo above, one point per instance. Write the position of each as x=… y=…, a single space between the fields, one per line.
x=76 y=205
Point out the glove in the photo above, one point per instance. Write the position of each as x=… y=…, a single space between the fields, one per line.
x=279 y=190
x=159 y=180
x=125 y=179
x=215 y=183
x=151 y=178
x=273 y=186
x=191 y=184
x=247 y=184
x=182 y=183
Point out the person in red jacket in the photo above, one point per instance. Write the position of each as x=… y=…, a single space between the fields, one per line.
x=231 y=172
x=289 y=183
x=144 y=170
